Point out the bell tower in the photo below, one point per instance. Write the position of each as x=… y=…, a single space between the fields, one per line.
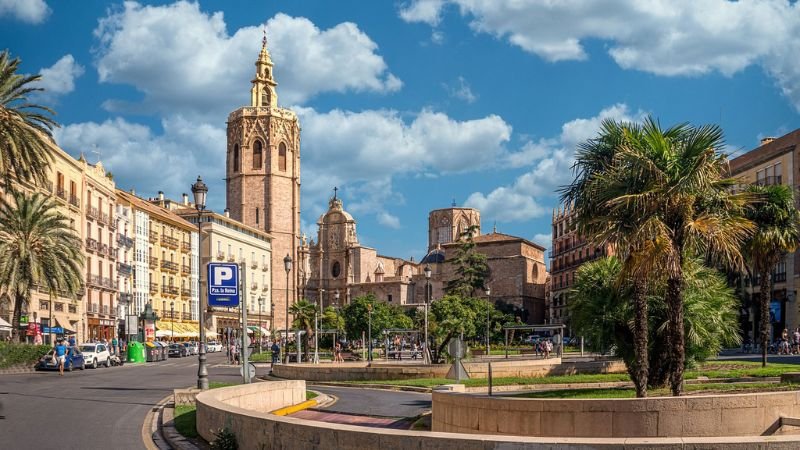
x=263 y=176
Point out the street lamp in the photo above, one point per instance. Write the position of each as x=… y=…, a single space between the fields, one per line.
x=488 y=314
x=172 y=320
x=427 y=271
x=260 y=307
x=287 y=265
x=199 y=190
x=316 y=333
x=369 y=331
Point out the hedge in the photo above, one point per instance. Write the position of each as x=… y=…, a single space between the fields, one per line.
x=15 y=354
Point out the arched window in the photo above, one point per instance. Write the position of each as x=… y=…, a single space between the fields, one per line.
x=282 y=157
x=257 y=155
x=236 y=158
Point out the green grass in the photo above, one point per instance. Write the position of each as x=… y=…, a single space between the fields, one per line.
x=261 y=357
x=186 y=420
x=630 y=393
x=310 y=395
x=219 y=384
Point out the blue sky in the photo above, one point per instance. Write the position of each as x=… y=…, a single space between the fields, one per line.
x=405 y=105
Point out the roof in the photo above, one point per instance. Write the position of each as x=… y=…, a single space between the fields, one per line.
x=765 y=152
x=154 y=210
x=499 y=237
x=191 y=212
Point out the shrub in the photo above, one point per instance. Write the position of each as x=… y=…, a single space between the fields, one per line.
x=225 y=440
x=12 y=354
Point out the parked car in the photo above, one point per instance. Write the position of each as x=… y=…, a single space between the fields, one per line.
x=74 y=360
x=191 y=347
x=96 y=354
x=213 y=347
x=177 y=351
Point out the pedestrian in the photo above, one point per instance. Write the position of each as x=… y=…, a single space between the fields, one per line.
x=231 y=348
x=60 y=352
x=797 y=340
x=337 y=353
x=784 y=342
x=276 y=351
x=72 y=341
x=114 y=345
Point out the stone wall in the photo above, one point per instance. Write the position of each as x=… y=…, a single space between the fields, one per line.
x=693 y=416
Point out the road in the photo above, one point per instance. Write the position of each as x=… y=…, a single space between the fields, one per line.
x=375 y=402
x=96 y=408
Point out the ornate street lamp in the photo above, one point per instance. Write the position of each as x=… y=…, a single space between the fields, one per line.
x=172 y=320
x=488 y=313
x=287 y=265
x=199 y=190
x=260 y=333
x=369 y=331
x=427 y=271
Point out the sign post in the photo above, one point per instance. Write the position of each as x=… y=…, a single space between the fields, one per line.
x=223 y=284
x=245 y=338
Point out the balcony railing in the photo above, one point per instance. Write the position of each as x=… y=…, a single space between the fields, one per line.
x=153 y=288
x=153 y=263
x=72 y=309
x=264 y=268
x=186 y=316
x=112 y=224
x=47 y=185
x=94 y=308
x=124 y=241
x=186 y=269
x=91 y=244
x=109 y=283
x=186 y=292
x=112 y=252
x=74 y=201
x=153 y=236
x=124 y=269
x=125 y=298
x=769 y=181
x=169 y=266
x=169 y=290
x=254 y=264
x=102 y=249
x=105 y=309
x=220 y=256
x=170 y=242
x=102 y=218
x=92 y=213
x=94 y=280
x=61 y=193
x=186 y=247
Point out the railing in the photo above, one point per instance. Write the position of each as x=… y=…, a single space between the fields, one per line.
x=153 y=288
x=112 y=224
x=220 y=256
x=94 y=280
x=254 y=265
x=94 y=308
x=168 y=241
x=153 y=263
x=562 y=267
x=125 y=298
x=169 y=266
x=186 y=292
x=779 y=277
x=186 y=269
x=102 y=218
x=72 y=309
x=264 y=268
x=112 y=252
x=102 y=248
x=124 y=269
x=560 y=250
x=186 y=316
x=153 y=236
x=105 y=309
x=109 y=283
x=48 y=186
x=169 y=290
x=91 y=244
x=92 y=213
x=769 y=181
x=61 y=193
x=186 y=247
x=59 y=307
x=124 y=241
x=74 y=201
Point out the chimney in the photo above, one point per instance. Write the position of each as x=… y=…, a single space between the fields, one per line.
x=185 y=199
x=767 y=140
x=161 y=195
x=227 y=212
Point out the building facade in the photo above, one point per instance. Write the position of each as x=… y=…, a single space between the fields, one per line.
x=772 y=162
x=263 y=176
x=125 y=260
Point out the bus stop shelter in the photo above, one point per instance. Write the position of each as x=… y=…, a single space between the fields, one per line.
x=558 y=328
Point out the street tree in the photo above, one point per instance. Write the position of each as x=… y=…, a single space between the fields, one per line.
x=303 y=312
x=26 y=143
x=384 y=316
x=776 y=234
x=453 y=316
x=471 y=267
x=37 y=247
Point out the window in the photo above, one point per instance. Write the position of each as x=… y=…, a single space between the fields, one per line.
x=257 y=215
x=444 y=235
x=88 y=229
x=390 y=298
x=257 y=155
x=282 y=157
x=235 y=167
x=336 y=269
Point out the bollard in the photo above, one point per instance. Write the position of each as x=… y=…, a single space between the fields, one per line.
x=490 y=379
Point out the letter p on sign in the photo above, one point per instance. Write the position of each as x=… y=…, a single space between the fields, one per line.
x=222 y=274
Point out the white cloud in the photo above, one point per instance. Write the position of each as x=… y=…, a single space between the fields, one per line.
x=664 y=37
x=59 y=79
x=200 y=67
x=140 y=159
x=531 y=194
x=30 y=11
x=388 y=220
x=461 y=90
x=543 y=239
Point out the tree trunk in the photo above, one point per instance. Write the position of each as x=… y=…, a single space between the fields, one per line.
x=764 y=295
x=677 y=341
x=640 y=338
x=19 y=302
x=444 y=344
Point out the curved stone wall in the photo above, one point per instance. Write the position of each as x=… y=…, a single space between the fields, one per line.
x=261 y=430
x=376 y=371
x=690 y=416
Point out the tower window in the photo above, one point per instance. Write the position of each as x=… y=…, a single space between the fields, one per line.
x=257 y=155
x=236 y=158
x=282 y=157
x=257 y=215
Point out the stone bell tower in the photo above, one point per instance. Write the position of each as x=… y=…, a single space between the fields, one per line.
x=263 y=176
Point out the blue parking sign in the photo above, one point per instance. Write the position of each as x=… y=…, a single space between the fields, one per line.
x=223 y=284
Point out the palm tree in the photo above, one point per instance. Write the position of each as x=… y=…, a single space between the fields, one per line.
x=37 y=247
x=303 y=312
x=776 y=234
x=26 y=146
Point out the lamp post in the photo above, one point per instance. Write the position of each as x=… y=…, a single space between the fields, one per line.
x=287 y=265
x=199 y=190
x=427 y=271
x=369 y=331
x=172 y=320
x=488 y=314
x=260 y=337
x=316 y=334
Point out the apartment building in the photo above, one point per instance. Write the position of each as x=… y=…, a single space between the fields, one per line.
x=125 y=252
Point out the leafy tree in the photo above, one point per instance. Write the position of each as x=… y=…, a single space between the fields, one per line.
x=776 y=234
x=601 y=311
x=37 y=246
x=303 y=312
x=471 y=267
x=331 y=319
x=453 y=316
x=26 y=145
x=384 y=316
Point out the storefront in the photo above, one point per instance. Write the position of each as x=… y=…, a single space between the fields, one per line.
x=100 y=329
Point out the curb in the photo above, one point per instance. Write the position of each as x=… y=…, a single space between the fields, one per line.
x=14 y=370
x=151 y=428
x=170 y=433
x=294 y=408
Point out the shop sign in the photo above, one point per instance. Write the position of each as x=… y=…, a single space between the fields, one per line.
x=131 y=324
x=52 y=330
x=34 y=329
x=149 y=330
x=23 y=321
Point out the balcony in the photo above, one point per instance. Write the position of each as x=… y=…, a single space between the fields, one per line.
x=153 y=288
x=779 y=277
x=93 y=308
x=112 y=224
x=102 y=218
x=221 y=256
x=112 y=253
x=264 y=268
x=125 y=298
x=105 y=309
x=169 y=242
x=92 y=213
x=72 y=309
x=124 y=269
x=108 y=283
x=186 y=269
x=186 y=292
x=186 y=316
x=170 y=291
x=74 y=201
x=169 y=266
x=94 y=280
x=153 y=236
x=186 y=247
x=231 y=258
x=769 y=181
x=102 y=249
x=91 y=244
x=61 y=193
x=254 y=265
x=124 y=241
x=153 y=263
x=47 y=186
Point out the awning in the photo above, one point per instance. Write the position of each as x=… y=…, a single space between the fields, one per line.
x=260 y=330
x=4 y=325
x=163 y=333
x=63 y=322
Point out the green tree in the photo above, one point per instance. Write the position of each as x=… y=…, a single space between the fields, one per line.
x=776 y=234
x=453 y=316
x=37 y=247
x=602 y=312
x=384 y=316
x=471 y=267
x=26 y=144
x=331 y=319
x=303 y=312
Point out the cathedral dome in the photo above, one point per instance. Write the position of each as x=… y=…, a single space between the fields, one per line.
x=435 y=256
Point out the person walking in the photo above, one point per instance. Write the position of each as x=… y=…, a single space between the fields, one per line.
x=276 y=351
x=337 y=353
x=60 y=352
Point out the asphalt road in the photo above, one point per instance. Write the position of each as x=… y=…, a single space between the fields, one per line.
x=94 y=409
x=375 y=402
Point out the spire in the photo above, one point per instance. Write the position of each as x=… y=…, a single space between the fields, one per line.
x=263 y=91
x=494 y=229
